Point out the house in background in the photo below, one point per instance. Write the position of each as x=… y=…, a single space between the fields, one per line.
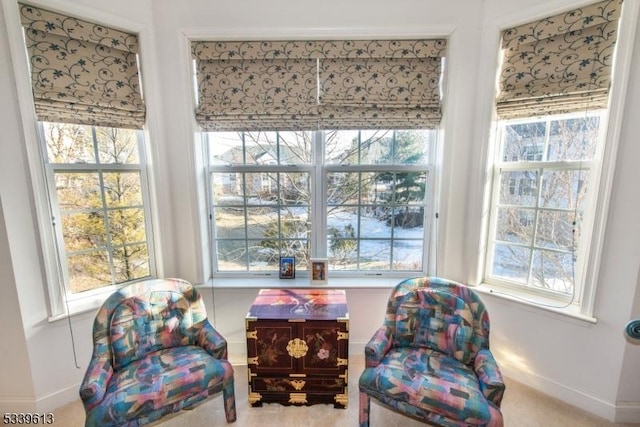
x=583 y=360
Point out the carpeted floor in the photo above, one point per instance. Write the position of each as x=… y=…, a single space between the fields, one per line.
x=522 y=407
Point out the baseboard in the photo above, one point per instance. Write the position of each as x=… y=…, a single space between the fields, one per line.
x=11 y=404
x=584 y=401
x=627 y=412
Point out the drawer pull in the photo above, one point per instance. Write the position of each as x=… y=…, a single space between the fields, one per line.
x=297 y=348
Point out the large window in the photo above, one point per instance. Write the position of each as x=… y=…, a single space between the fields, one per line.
x=552 y=107
x=357 y=197
x=543 y=175
x=97 y=183
x=88 y=103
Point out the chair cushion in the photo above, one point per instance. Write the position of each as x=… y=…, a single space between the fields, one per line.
x=438 y=320
x=428 y=381
x=162 y=382
x=147 y=323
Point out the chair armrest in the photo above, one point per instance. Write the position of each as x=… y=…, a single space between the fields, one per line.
x=377 y=347
x=94 y=384
x=211 y=340
x=490 y=377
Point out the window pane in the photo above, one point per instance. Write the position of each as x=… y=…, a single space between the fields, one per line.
x=226 y=148
x=85 y=230
x=342 y=222
x=553 y=270
x=230 y=223
x=261 y=188
x=519 y=187
x=123 y=189
x=227 y=188
x=524 y=142
x=295 y=148
x=511 y=262
x=407 y=255
x=127 y=226
x=573 y=139
x=117 y=145
x=131 y=262
x=377 y=147
x=295 y=189
x=560 y=189
x=68 y=143
x=343 y=188
x=262 y=255
x=515 y=225
x=299 y=249
x=555 y=229
x=231 y=255
x=261 y=148
x=78 y=190
x=88 y=271
x=375 y=254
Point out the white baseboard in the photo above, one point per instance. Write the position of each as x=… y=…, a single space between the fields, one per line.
x=11 y=404
x=627 y=412
x=585 y=401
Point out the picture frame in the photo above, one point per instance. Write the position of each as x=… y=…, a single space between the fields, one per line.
x=287 y=267
x=318 y=271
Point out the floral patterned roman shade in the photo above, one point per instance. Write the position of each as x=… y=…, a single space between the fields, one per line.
x=559 y=64
x=292 y=85
x=82 y=72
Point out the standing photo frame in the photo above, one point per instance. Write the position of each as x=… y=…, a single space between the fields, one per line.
x=318 y=269
x=287 y=267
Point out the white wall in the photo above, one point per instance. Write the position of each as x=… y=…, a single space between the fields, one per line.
x=590 y=365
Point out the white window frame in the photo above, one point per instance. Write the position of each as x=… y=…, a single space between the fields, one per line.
x=500 y=166
x=318 y=171
x=52 y=168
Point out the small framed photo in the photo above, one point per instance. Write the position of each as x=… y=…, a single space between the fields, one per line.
x=287 y=267
x=318 y=270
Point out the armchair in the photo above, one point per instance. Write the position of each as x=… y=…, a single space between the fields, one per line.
x=154 y=353
x=430 y=359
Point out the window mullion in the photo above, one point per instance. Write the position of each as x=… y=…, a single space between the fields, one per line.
x=318 y=199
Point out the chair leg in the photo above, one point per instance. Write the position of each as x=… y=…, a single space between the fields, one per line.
x=228 y=394
x=365 y=403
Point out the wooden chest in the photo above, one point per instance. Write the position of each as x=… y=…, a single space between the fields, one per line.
x=297 y=347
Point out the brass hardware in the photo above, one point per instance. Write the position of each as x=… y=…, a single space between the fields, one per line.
x=297 y=320
x=298 y=398
x=343 y=335
x=252 y=360
x=342 y=399
x=252 y=335
x=254 y=397
x=342 y=362
x=298 y=375
x=298 y=384
x=297 y=348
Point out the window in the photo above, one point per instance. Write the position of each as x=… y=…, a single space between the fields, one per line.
x=360 y=197
x=319 y=148
x=99 y=199
x=540 y=200
x=87 y=97
x=551 y=118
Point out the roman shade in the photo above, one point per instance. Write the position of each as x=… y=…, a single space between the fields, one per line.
x=329 y=84
x=82 y=72
x=559 y=64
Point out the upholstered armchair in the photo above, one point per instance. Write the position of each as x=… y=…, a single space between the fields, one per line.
x=430 y=360
x=154 y=353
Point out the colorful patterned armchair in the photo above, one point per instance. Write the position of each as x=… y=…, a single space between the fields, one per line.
x=430 y=360
x=154 y=353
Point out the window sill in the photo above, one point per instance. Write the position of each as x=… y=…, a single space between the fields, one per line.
x=302 y=282
x=548 y=305
x=89 y=304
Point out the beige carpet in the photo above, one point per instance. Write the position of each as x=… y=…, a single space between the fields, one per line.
x=522 y=407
